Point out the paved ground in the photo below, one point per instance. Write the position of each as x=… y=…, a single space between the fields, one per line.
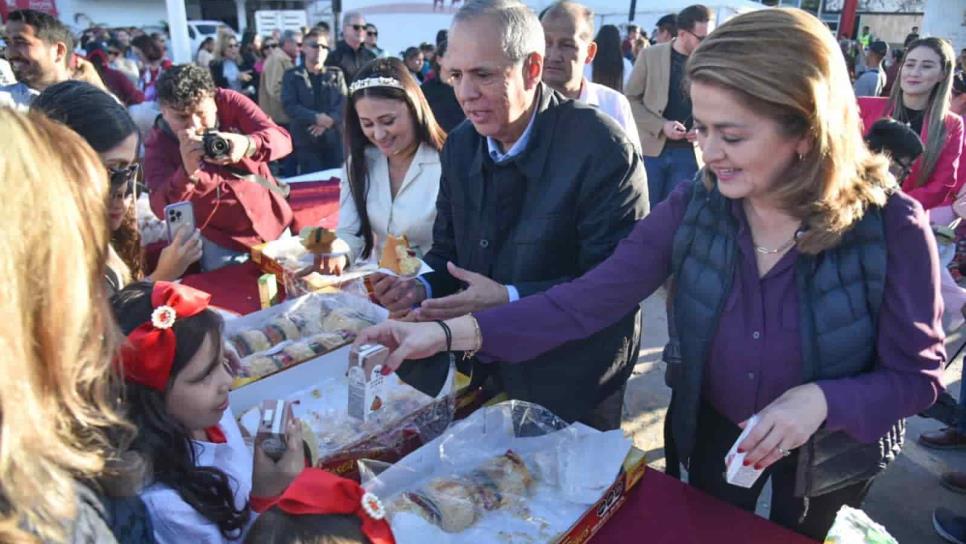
x=902 y=499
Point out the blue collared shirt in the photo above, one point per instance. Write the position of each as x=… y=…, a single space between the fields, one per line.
x=499 y=157
x=518 y=146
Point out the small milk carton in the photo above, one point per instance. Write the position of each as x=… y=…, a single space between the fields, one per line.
x=366 y=380
x=736 y=473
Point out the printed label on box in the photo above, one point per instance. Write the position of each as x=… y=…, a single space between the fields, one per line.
x=736 y=472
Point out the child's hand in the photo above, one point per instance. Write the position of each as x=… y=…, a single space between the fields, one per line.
x=270 y=477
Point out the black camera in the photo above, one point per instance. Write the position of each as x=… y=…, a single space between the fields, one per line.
x=216 y=147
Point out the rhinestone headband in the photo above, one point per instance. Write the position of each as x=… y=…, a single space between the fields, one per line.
x=375 y=82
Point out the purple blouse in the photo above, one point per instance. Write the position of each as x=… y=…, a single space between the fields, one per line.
x=756 y=354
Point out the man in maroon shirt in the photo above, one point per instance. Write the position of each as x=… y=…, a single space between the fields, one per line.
x=237 y=203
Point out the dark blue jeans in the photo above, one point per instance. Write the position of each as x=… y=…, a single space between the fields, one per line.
x=674 y=165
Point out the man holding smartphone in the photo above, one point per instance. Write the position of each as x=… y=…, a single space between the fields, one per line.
x=211 y=147
x=662 y=108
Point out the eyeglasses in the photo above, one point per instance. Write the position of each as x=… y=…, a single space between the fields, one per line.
x=113 y=53
x=270 y=46
x=122 y=176
x=374 y=33
x=314 y=45
x=699 y=38
x=358 y=27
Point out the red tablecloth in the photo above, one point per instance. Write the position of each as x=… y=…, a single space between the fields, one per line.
x=315 y=203
x=662 y=510
x=234 y=288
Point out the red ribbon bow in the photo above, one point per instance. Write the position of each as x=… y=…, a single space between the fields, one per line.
x=148 y=354
x=316 y=491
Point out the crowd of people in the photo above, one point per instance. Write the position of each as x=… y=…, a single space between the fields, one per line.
x=552 y=175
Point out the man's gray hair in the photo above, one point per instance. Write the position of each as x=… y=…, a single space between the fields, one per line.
x=289 y=36
x=348 y=16
x=521 y=31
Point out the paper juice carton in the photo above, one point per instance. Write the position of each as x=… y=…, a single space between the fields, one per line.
x=736 y=473
x=365 y=380
x=275 y=415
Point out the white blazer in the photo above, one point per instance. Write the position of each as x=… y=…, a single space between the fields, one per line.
x=177 y=522
x=411 y=214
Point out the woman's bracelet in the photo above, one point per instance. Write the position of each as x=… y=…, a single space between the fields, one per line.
x=477 y=342
x=449 y=335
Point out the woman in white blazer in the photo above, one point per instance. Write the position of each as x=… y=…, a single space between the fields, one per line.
x=392 y=173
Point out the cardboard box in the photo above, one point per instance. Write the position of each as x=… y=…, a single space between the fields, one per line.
x=314 y=282
x=610 y=503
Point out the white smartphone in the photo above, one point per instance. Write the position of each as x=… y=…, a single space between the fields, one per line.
x=178 y=214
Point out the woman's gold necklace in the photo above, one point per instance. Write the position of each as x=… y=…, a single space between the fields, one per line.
x=762 y=250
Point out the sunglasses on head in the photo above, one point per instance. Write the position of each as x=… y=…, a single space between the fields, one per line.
x=358 y=27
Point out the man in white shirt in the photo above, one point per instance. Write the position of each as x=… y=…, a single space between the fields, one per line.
x=569 y=31
x=39 y=48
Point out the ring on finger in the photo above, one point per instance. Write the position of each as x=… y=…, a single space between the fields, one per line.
x=784 y=452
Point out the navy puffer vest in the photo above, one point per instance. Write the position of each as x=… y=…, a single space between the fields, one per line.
x=840 y=291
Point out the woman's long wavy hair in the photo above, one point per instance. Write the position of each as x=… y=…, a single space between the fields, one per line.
x=163 y=442
x=936 y=110
x=608 y=65
x=831 y=186
x=59 y=420
x=104 y=123
x=428 y=130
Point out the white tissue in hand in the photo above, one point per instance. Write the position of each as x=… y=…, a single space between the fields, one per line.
x=584 y=486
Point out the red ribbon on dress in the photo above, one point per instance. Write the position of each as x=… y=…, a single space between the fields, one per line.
x=148 y=355
x=316 y=491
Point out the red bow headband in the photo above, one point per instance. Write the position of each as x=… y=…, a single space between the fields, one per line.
x=148 y=354
x=316 y=491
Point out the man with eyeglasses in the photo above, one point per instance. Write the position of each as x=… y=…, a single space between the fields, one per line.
x=350 y=53
x=313 y=96
x=535 y=190
x=372 y=39
x=662 y=108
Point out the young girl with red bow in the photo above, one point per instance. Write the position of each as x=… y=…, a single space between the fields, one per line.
x=322 y=508
x=176 y=395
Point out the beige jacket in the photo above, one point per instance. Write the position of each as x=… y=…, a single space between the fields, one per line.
x=647 y=92
x=270 y=85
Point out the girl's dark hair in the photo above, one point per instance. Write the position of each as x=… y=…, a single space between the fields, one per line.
x=87 y=110
x=277 y=527
x=104 y=123
x=149 y=47
x=205 y=42
x=163 y=442
x=411 y=52
x=608 y=65
x=428 y=130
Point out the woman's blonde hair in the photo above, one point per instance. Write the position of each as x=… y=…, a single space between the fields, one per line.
x=832 y=184
x=221 y=43
x=936 y=110
x=58 y=400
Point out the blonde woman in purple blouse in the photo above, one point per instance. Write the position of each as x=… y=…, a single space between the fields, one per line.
x=806 y=286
